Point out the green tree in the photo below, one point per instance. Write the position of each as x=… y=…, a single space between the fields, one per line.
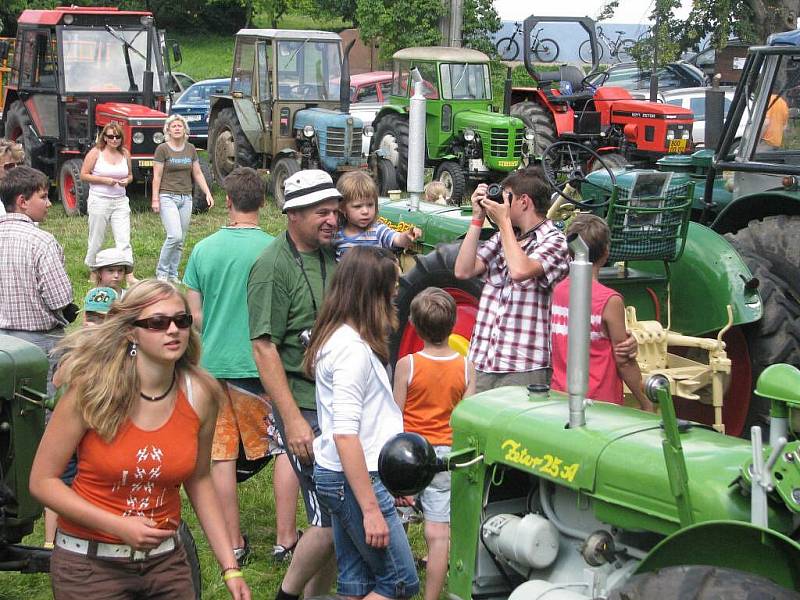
x=481 y=21
x=395 y=25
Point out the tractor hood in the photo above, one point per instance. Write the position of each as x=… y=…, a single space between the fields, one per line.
x=338 y=136
x=483 y=121
x=135 y=114
x=502 y=137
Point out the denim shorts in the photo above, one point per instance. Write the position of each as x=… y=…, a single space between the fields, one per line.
x=435 y=499
x=362 y=568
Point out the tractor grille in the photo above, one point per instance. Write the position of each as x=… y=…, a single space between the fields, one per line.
x=148 y=146
x=355 y=144
x=518 y=141
x=336 y=143
x=499 y=143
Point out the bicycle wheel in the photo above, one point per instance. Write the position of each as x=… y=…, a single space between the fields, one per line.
x=585 y=52
x=546 y=50
x=624 y=50
x=507 y=48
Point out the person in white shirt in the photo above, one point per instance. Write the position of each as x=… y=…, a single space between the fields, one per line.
x=357 y=415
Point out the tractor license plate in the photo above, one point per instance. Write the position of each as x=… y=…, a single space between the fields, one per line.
x=677 y=146
x=193 y=118
x=507 y=163
x=145 y=163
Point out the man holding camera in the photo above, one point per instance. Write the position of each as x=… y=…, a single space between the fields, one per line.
x=285 y=292
x=522 y=262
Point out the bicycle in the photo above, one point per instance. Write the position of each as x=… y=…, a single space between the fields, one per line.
x=544 y=49
x=619 y=48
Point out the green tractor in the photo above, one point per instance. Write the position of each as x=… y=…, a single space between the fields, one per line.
x=466 y=142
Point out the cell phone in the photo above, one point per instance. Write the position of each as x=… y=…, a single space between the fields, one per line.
x=167 y=523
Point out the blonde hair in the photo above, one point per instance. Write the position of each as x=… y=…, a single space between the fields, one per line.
x=357 y=185
x=435 y=190
x=114 y=127
x=14 y=148
x=98 y=367
x=171 y=119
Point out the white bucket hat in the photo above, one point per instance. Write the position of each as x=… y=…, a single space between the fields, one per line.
x=112 y=257
x=308 y=187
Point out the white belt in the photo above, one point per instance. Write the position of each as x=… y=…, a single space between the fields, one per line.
x=95 y=549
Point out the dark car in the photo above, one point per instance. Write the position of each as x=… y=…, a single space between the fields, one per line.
x=193 y=106
x=629 y=76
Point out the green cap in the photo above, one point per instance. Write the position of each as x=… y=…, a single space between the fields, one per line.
x=99 y=300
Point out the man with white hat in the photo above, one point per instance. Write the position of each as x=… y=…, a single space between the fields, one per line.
x=284 y=296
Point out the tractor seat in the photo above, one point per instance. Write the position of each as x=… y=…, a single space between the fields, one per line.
x=569 y=73
x=579 y=99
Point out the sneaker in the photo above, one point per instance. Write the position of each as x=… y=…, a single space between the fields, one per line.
x=243 y=554
x=283 y=553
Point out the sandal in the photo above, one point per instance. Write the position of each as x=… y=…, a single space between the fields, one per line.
x=284 y=553
x=243 y=554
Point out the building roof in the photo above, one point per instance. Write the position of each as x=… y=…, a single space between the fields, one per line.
x=441 y=53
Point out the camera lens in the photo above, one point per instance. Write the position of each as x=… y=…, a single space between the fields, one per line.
x=494 y=192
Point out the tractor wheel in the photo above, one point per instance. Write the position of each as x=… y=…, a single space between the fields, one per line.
x=391 y=136
x=434 y=269
x=454 y=179
x=199 y=203
x=73 y=192
x=613 y=160
x=771 y=250
x=700 y=582
x=387 y=177
x=187 y=539
x=284 y=167
x=228 y=147
x=18 y=129
x=536 y=117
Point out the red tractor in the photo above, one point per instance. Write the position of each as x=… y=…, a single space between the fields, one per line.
x=75 y=69
x=608 y=120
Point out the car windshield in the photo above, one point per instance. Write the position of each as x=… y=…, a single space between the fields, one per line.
x=199 y=93
x=465 y=81
x=308 y=70
x=95 y=60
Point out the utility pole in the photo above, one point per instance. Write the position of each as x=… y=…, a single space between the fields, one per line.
x=452 y=23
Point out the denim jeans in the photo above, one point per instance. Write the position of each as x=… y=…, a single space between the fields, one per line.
x=105 y=211
x=176 y=210
x=362 y=568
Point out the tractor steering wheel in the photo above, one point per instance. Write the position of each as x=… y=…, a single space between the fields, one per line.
x=569 y=159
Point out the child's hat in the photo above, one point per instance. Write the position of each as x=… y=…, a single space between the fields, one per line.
x=99 y=300
x=308 y=187
x=112 y=257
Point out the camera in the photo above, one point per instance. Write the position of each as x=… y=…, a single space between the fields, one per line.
x=305 y=337
x=494 y=192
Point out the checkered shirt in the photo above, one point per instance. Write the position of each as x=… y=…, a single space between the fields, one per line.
x=512 y=328
x=33 y=283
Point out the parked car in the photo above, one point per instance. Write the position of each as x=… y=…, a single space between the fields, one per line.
x=375 y=86
x=193 y=106
x=180 y=82
x=695 y=100
x=629 y=76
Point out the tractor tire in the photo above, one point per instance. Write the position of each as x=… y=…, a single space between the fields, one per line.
x=434 y=269
x=284 y=167
x=187 y=539
x=536 y=117
x=771 y=249
x=613 y=160
x=387 y=177
x=700 y=582
x=19 y=129
x=199 y=202
x=391 y=135
x=228 y=147
x=454 y=179
x=73 y=192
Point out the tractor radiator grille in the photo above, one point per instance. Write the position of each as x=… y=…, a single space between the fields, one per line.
x=355 y=144
x=520 y=138
x=148 y=146
x=336 y=142
x=499 y=143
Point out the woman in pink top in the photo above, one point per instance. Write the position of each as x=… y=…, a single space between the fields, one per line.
x=607 y=370
x=107 y=170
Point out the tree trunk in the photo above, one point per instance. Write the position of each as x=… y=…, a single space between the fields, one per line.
x=772 y=16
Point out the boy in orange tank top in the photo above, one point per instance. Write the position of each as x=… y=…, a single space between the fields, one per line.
x=427 y=386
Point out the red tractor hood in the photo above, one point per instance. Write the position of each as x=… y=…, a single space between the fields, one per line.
x=118 y=111
x=652 y=110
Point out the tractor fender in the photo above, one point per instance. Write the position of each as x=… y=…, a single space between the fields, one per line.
x=217 y=104
x=246 y=114
x=387 y=110
x=744 y=209
x=564 y=121
x=730 y=544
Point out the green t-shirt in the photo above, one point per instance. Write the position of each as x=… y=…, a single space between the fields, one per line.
x=218 y=268
x=177 y=175
x=280 y=306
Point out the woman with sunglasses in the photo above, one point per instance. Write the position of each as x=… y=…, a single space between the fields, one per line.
x=357 y=415
x=141 y=415
x=11 y=155
x=107 y=170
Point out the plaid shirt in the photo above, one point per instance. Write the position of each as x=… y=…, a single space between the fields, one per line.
x=34 y=286
x=512 y=328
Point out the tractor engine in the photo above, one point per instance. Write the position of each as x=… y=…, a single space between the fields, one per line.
x=490 y=142
x=329 y=139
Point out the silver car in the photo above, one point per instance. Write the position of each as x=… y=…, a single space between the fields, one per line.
x=695 y=100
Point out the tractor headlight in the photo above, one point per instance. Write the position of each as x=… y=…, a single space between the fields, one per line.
x=138 y=137
x=469 y=135
x=685 y=135
x=530 y=134
x=369 y=130
x=308 y=131
x=158 y=137
x=670 y=136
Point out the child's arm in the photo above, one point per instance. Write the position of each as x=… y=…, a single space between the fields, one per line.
x=471 y=383
x=401 y=381
x=407 y=238
x=628 y=369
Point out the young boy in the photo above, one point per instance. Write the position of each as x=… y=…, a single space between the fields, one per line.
x=110 y=269
x=427 y=387
x=607 y=370
x=359 y=207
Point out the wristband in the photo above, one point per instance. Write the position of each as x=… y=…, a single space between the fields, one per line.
x=477 y=222
x=231 y=574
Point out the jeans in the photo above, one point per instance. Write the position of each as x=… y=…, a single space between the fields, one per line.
x=105 y=210
x=176 y=210
x=362 y=568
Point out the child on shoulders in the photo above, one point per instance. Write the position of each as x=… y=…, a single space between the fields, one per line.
x=427 y=386
x=607 y=370
x=359 y=208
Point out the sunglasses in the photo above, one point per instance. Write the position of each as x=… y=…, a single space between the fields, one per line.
x=162 y=322
x=113 y=137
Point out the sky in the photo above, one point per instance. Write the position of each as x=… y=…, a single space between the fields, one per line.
x=629 y=11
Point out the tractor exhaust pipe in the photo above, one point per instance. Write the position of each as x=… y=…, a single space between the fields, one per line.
x=416 y=142
x=578 y=330
x=344 y=80
x=507 y=93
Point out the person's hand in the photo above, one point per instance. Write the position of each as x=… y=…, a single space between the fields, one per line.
x=238 y=589
x=404 y=501
x=299 y=439
x=414 y=234
x=627 y=349
x=123 y=182
x=156 y=206
x=141 y=533
x=497 y=211
x=478 y=196
x=376 y=529
x=210 y=200
x=111 y=181
x=646 y=405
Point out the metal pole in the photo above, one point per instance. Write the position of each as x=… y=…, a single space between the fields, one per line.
x=653 y=76
x=416 y=142
x=456 y=23
x=578 y=330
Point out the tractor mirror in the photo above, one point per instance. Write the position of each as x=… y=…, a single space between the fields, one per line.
x=4 y=47
x=176 y=52
x=407 y=464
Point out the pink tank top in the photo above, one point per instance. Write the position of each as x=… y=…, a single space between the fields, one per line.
x=103 y=168
x=604 y=380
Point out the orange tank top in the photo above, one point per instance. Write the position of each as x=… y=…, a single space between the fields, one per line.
x=138 y=473
x=436 y=385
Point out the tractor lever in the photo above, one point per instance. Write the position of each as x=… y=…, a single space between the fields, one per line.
x=761 y=476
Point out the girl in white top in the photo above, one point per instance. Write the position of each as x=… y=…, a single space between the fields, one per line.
x=107 y=170
x=357 y=415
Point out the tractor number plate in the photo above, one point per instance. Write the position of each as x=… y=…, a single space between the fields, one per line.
x=677 y=146
x=145 y=163
x=507 y=163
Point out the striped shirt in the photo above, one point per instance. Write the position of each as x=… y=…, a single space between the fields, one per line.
x=376 y=234
x=34 y=286
x=512 y=327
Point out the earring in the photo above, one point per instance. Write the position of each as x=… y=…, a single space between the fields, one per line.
x=133 y=352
